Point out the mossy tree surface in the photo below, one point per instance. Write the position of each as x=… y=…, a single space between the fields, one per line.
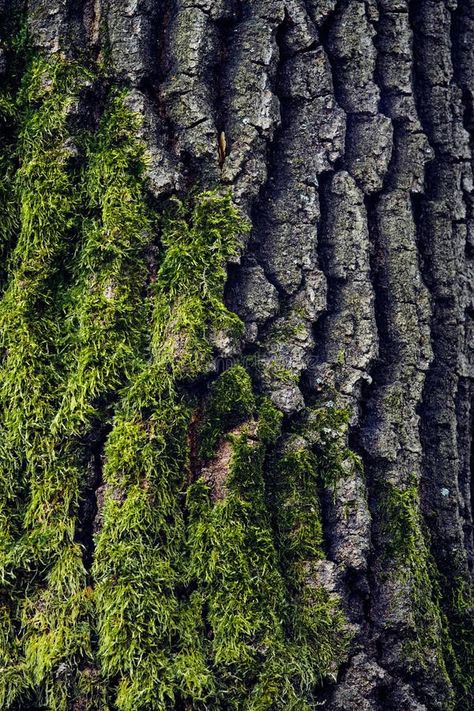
x=180 y=597
x=168 y=528
x=439 y=635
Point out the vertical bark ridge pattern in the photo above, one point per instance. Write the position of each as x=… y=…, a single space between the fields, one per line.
x=237 y=355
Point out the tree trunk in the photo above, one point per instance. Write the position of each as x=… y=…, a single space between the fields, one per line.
x=237 y=355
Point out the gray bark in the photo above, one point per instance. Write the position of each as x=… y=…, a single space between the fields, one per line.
x=344 y=131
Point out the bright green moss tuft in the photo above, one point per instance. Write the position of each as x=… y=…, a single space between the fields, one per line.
x=150 y=636
x=275 y=632
x=231 y=400
x=327 y=428
x=319 y=637
x=233 y=559
x=269 y=422
x=297 y=506
x=198 y=238
x=234 y=563
x=146 y=633
x=30 y=322
x=106 y=312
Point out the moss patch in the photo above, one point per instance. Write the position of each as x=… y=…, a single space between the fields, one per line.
x=205 y=589
x=275 y=632
x=432 y=641
x=150 y=636
x=38 y=534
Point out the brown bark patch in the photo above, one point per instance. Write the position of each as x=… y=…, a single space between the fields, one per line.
x=216 y=472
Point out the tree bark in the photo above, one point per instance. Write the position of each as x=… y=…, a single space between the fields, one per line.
x=343 y=132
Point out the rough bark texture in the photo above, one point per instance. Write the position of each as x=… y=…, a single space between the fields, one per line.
x=343 y=130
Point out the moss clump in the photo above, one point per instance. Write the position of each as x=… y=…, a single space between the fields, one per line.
x=105 y=314
x=274 y=634
x=327 y=429
x=231 y=401
x=233 y=559
x=198 y=240
x=234 y=563
x=441 y=609
x=298 y=509
x=317 y=629
x=150 y=636
x=30 y=318
x=269 y=422
x=147 y=634
x=279 y=373
x=415 y=573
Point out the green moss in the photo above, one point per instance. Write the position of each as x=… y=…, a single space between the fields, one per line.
x=231 y=400
x=233 y=561
x=30 y=321
x=151 y=639
x=274 y=634
x=297 y=505
x=159 y=588
x=318 y=628
x=457 y=601
x=341 y=356
x=287 y=330
x=416 y=574
x=184 y=604
x=269 y=422
x=145 y=638
x=280 y=373
x=105 y=313
x=327 y=428
x=90 y=347
x=199 y=237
